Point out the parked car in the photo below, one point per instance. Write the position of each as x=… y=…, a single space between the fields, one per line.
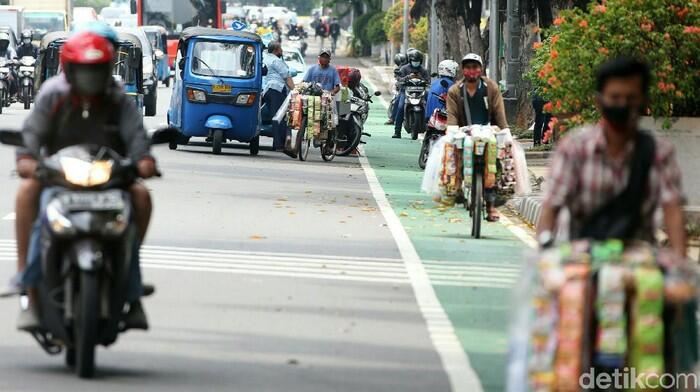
x=150 y=78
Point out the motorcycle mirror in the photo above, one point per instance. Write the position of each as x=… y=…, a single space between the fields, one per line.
x=444 y=84
x=164 y=135
x=377 y=93
x=11 y=138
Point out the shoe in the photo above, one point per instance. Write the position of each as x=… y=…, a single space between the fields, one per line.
x=13 y=287
x=396 y=135
x=147 y=290
x=28 y=320
x=136 y=318
x=389 y=122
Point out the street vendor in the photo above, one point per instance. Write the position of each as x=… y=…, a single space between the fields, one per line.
x=483 y=106
x=612 y=176
x=324 y=73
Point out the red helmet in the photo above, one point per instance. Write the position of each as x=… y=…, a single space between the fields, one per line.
x=87 y=48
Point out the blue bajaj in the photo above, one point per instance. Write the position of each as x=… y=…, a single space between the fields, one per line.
x=218 y=82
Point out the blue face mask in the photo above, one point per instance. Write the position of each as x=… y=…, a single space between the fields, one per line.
x=415 y=64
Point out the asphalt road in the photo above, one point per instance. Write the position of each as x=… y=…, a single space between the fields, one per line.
x=271 y=275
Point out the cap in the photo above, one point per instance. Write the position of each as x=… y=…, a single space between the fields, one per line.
x=325 y=51
x=472 y=57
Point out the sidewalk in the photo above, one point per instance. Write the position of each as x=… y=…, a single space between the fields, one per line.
x=472 y=278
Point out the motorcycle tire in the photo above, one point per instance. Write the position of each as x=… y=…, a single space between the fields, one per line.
x=354 y=137
x=150 y=103
x=255 y=146
x=477 y=204
x=329 y=147
x=70 y=358
x=424 y=152
x=87 y=318
x=415 y=125
x=217 y=141
x=26 y=97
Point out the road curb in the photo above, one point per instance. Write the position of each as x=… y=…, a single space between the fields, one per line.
x=529 y=207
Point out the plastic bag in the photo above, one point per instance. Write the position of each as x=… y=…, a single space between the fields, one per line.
x=522 y=178
x=433 y=166
x=282 y=111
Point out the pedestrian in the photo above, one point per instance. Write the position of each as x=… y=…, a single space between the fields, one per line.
x=477 y=100
x=334 y=30
x=613 y=176
x=275 y=85
x=541 y=119
x=324 y=73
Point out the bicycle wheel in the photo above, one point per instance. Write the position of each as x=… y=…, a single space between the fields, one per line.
x=328 y=148
x=477 y=204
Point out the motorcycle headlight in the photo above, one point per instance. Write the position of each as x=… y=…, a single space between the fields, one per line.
x=58 y=222
x=26 y=73
x=86 y=174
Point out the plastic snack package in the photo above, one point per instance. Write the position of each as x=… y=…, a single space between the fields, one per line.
x=433 y=166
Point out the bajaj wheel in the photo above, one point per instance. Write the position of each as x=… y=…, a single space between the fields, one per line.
x=70 y=357
x=86 y=320
x=477 y=203
x=26 y=97
x=150 y=104
x=217 y=141
x=255 y=146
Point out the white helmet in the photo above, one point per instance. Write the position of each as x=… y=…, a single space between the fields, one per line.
x=472 y=57
x=447 y=68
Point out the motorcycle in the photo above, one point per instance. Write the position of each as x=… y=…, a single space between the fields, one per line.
x=26 y=80
x=436 y=127
x=297 y=40
x=351 y=124
x=88 y=239
x=414 y=106
x=5 y=82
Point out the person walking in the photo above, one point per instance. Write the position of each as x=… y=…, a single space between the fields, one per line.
x=275 y=85
x=541 y=119
x=334 y=30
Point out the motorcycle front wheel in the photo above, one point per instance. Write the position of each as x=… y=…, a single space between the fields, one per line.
x=86 y=322
x=328 y=148
x=26 y=97
x=425 y=151
x=477 y=204
x=353 y=136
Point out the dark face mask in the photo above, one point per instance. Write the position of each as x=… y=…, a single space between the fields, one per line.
x=91 y=81
x=618 y=116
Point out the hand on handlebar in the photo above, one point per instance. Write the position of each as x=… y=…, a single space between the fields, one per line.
x=146 y=168
x=26 y=167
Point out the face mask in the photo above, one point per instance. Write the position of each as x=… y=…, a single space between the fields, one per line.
x=415 y=64
x=617 y=116
x=323 y=62
x=27 y=41
x=90 y=82
x=471 y=74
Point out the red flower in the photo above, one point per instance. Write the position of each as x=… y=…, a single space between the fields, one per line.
x=647 y=26
x=691 y=30
x=554 y=54
x=604 y=51
x=558 y=105
x=599 y=9
x=548 y=107
x=583 y=23
x=537 y=45
x=555 y=38
x=667 y=36
x=558 y=21
x=553 y=81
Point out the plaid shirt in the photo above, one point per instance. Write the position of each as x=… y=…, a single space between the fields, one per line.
x=584 y=178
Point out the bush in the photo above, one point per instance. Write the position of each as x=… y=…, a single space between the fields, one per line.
x=419 y=35
x=359 y=27
x=375 y=29
x=393 y=23
x=663 y=32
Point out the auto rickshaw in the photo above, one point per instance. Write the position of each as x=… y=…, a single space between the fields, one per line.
x=48 y=62
x=128 y=66
x=217 y=87
x=159 y=40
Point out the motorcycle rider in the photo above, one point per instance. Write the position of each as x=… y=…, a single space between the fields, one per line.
x=447 y=70
x=83 y=105
x=27 y=48
x=8 y=53
x=485 y=104
x=414 y=68
x=400 y=60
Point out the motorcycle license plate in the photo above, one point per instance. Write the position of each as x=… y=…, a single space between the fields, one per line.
x=221 y=88
x=414 y=90
x=4 y=70
x=26 y=69
x=93 y=201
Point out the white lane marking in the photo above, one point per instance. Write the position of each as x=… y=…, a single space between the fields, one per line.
x=9 y=217
x=455 y=361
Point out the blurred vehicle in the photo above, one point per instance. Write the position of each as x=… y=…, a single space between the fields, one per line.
x=150 y=80
x=158 y=37
x=26 y=80
x=114 y=16
x=48 y=63
x=83 y=15
x=43 y=22
x=295 y=60
x=177 y=15
x=12 y=17
x=128 y=66
x=13 y=38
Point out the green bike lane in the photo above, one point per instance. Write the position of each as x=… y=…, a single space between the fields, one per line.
x=471 y=278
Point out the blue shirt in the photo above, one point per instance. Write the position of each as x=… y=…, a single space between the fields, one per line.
x=328 y=78
x=277 y=73
x=433 y=102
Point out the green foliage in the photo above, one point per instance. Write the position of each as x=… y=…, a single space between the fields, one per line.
x=359 y=28
x=96 y=4
x=393 y=20
x=418 y=36
x=375 y=29
x=663 y=32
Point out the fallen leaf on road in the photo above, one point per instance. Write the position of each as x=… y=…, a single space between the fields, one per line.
x=257 y=237
x=293 y=362
x=282 y=199
x=309 y=192
x=455 y=220
x=403 y=214
x=369 y=209
x=292 y=213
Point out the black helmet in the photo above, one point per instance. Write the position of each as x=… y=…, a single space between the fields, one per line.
x=400 y=59
x=415 y=56
x=26 y=34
